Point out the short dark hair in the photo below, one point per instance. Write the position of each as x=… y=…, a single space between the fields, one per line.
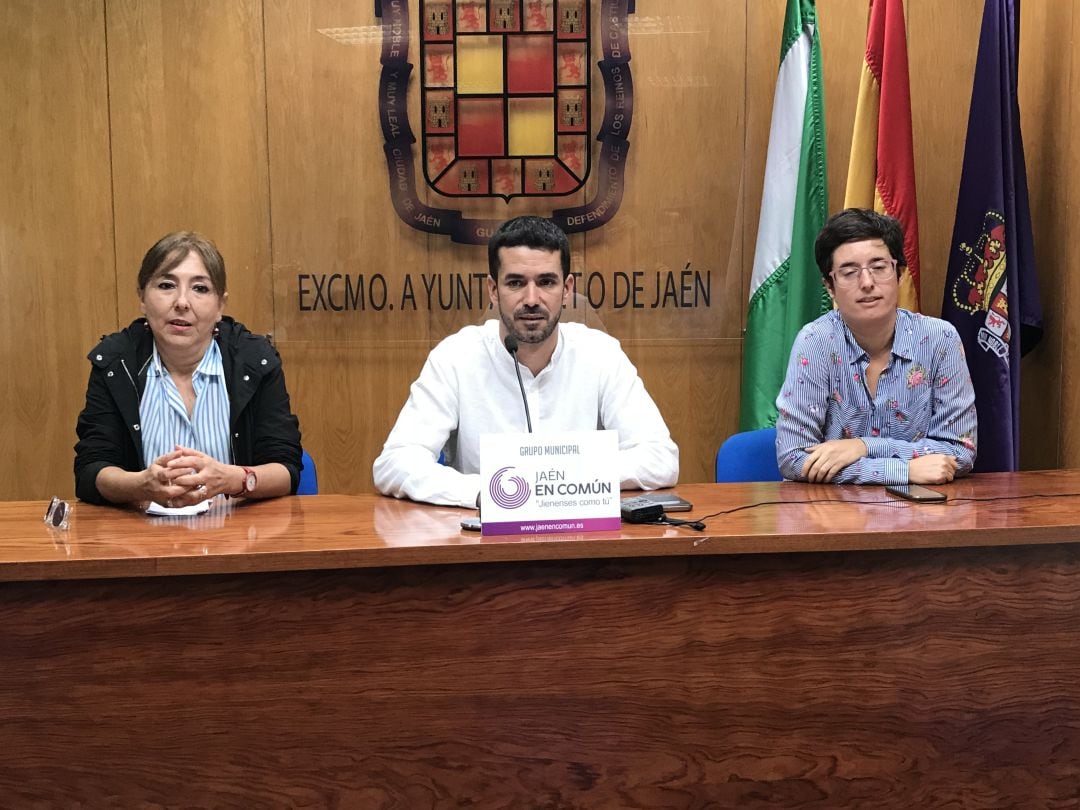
x=531 y=232
x=858 y=225
x=171 y=249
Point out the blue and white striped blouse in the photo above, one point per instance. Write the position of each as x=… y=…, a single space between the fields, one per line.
x=165 y=421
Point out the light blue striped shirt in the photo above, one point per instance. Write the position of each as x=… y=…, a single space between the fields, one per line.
x=165 y=421
x=924 y=402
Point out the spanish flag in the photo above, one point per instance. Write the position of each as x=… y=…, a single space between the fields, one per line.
x=881 y=173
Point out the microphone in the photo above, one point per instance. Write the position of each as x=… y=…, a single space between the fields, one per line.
x=511 y=344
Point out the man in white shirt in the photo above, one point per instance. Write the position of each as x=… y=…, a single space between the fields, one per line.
x=575 y=378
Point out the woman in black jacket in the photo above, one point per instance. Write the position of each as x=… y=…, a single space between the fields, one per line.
x=185 y=403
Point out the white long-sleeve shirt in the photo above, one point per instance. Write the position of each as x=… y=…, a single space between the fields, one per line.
x=468 y=387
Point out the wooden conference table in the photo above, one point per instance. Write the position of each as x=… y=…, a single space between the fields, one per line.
x=828 y=647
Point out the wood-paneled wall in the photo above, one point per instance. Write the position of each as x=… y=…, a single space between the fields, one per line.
x=255 y=122
x=57 y=259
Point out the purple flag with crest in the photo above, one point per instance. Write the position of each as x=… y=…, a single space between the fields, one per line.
x=991 y=291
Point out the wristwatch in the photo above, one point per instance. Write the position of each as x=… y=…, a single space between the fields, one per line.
x=250 y=482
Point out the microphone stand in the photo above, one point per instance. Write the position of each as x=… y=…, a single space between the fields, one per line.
x=511 y=345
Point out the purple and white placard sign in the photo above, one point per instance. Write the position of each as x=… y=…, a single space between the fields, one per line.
x=552 y=483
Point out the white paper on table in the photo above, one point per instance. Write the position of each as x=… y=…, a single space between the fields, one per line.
x=179 y=511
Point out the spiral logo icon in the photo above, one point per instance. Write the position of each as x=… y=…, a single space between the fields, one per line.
x=508 y=491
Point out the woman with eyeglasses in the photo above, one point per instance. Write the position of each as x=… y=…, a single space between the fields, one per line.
x=185 y=403
x=874 y=394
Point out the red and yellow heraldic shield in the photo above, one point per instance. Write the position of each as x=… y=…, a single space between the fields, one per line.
x=505 y=96
x=505 y=105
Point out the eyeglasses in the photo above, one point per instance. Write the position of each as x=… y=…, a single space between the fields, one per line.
x=57 y=514
x=851 y=275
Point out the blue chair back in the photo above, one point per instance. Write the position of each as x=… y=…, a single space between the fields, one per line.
x=749 y=456
x=309 y=478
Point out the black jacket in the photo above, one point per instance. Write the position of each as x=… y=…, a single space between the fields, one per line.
x=263 y=427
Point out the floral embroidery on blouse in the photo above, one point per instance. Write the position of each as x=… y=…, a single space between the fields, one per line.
x=923 y=403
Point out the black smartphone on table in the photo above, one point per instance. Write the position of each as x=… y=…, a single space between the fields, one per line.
x=916 y=492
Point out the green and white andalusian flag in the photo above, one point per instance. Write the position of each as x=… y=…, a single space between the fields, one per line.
x=786 y=290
